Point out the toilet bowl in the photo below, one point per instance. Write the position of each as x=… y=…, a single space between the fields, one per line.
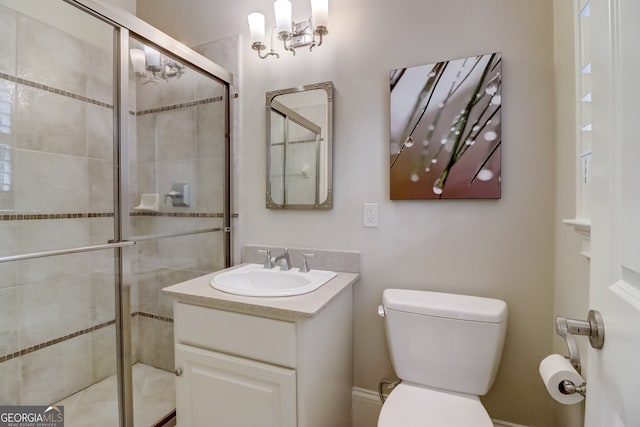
x=415 y=406
x=446 y=350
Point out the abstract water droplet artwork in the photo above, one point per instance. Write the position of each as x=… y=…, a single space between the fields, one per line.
x=457 y=103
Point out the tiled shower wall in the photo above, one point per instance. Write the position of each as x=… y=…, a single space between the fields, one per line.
x=57 y=333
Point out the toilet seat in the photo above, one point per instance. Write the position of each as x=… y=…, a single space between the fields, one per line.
x=415 y=406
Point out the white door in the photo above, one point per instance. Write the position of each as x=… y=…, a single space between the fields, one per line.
x=613 y=374
x=218 y=390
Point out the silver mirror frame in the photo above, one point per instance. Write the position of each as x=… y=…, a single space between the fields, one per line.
x=323 y=204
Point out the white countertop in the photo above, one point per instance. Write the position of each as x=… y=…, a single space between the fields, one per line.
x=198 y=291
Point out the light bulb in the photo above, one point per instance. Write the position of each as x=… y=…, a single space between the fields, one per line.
x=282 y=9
x=256 y=27
x=320 y=13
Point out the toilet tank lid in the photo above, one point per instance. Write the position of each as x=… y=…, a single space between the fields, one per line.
x=450 y=306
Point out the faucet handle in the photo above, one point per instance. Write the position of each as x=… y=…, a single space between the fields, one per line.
x=268 y=262
x=285 y=263
x=305 y=262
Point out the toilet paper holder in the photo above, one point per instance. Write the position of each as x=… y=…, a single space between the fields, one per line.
x=593 y=327
x=568 y=387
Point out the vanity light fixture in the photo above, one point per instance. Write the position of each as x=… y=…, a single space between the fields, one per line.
x=149 y=65
x=292 y=34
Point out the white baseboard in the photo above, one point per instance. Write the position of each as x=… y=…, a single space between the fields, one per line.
x=366 y=406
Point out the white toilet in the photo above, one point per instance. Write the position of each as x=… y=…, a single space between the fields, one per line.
x=446 y=349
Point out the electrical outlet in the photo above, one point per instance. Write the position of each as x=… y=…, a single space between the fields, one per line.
x=370 y=215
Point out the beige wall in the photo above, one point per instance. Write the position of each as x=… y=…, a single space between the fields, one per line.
x=571 y=291
x=501 y=249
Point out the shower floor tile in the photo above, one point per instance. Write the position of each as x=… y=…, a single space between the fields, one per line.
x=97 y=405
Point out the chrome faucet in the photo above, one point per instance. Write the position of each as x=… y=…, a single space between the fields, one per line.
x=284 y=260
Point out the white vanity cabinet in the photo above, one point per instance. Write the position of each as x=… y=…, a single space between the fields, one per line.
x=218 y=389
x=239 y=368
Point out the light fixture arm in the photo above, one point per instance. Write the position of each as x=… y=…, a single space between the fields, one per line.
x=290 y=49
x=287 y=46
x=259 y=46
x=319 y=31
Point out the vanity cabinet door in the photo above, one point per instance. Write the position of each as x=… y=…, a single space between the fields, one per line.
x=216 y=389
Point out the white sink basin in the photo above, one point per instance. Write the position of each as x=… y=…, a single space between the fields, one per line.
x=256 y=281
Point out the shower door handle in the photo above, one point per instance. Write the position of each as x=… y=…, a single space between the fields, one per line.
x=109 y=245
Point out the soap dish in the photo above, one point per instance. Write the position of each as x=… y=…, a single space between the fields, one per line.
x=149 y=202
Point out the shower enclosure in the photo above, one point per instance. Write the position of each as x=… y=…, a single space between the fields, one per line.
x=114 y=183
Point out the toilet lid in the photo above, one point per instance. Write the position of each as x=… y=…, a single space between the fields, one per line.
x=413 y=406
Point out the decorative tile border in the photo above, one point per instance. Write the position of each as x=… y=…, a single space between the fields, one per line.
x=167 y=420
x=153 y=316
x=32 y=217
x=180 y=214
x=59 y=340
x=179 y=106
x=50 y=89
x=54 y=341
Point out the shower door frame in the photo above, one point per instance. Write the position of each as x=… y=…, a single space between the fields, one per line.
x=126 y=25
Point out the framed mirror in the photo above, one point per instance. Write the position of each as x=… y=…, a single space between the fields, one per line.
x=299 y=147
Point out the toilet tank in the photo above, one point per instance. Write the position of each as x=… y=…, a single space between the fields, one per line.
x=447 y=341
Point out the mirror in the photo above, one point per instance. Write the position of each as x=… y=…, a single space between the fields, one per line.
x=299 y=147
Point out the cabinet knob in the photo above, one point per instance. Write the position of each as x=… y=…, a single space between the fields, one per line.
x=178 y=372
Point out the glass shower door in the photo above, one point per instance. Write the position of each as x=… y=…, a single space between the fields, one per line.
x=178 y=205
x=57 y=275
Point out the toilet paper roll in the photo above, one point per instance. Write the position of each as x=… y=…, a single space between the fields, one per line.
x=554 y=369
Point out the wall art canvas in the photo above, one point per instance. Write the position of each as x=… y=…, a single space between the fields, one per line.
x=445 y=129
